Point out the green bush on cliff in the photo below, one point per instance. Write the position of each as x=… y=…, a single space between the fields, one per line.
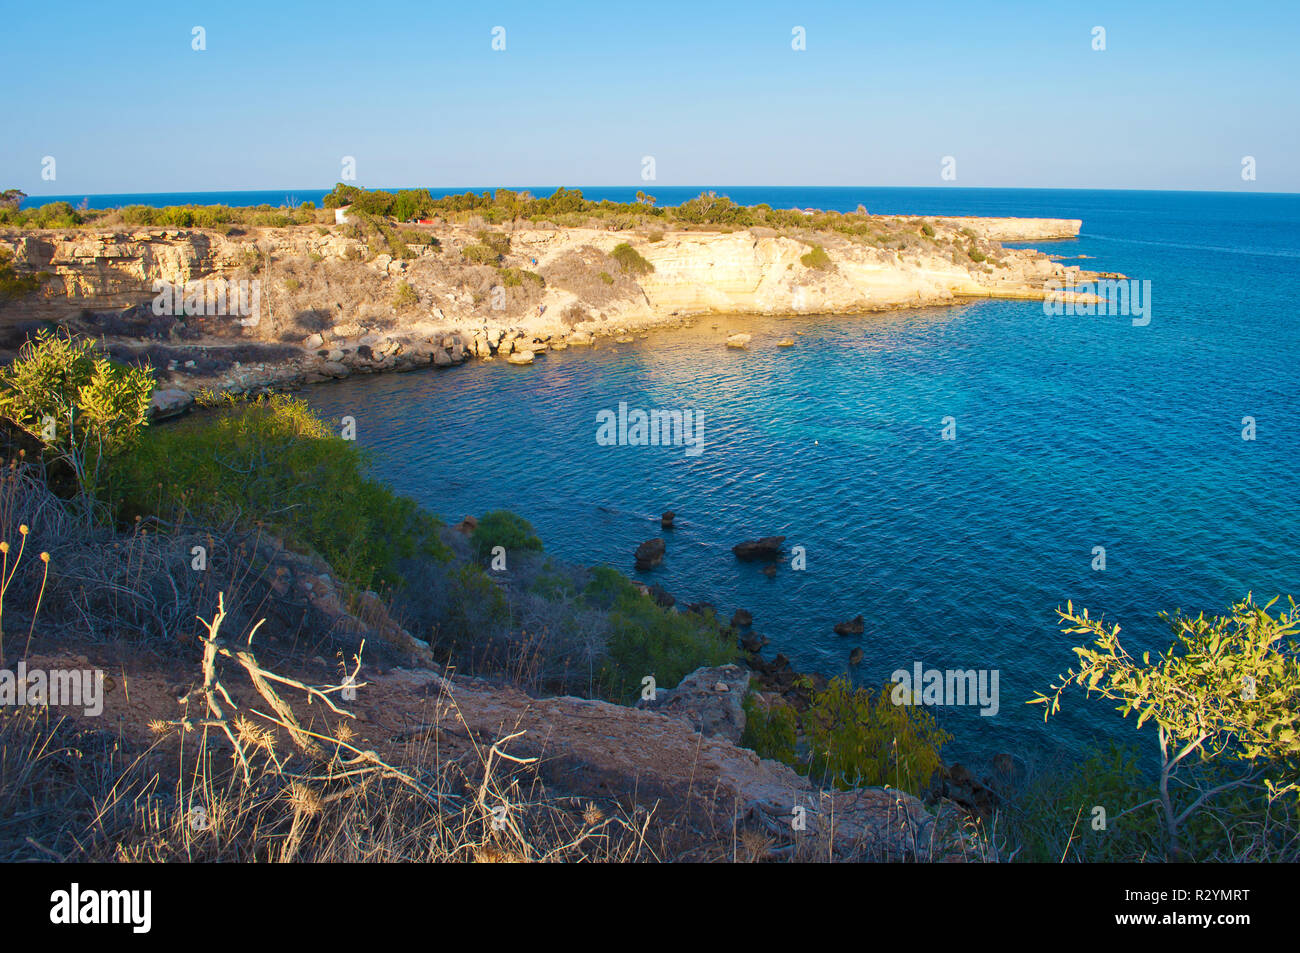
x=770 y=732
x=50 y=215
x=479 y=254
x=274 y=463
x=647 y=640
x=817 y=259
x=858 y=738
x=80 y=405
x=630 y=260
x=14 y=285
x=503 y=528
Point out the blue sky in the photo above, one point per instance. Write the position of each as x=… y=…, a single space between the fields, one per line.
x=414 y=91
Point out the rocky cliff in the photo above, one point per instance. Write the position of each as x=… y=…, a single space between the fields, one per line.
x=269 y=307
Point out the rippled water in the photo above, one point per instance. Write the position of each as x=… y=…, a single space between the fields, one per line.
x=1073 y=432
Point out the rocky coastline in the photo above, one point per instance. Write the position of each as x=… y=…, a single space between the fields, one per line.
x=331 y=303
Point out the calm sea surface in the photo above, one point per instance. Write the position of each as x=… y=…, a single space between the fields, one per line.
x=1073 y=433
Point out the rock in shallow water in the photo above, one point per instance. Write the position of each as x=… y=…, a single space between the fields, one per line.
x=769 y=547
x=650 y=554
x=854 y=626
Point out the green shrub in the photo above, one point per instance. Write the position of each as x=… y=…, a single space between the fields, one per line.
x=405 y=297
x=770 y=732
x=630 y=260
x=80 y=405
x=927 y=230
x=514 y=277
x=12 y=284
x=496 y=241
x=1051 y=819
x=646 y=640
x=976 y=255
x=480 y=255
x=274 y=462
x=476 y=604
x=1225 y=701
x=861 y=738
x=817 y=259
x=606 y=277
x=503 y=528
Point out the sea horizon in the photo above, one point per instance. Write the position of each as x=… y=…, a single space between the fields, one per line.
x=621 y=193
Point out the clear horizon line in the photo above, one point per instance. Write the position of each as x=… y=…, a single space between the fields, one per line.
x=649 y=186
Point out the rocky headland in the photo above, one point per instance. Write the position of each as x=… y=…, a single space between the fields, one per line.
x=323 y=303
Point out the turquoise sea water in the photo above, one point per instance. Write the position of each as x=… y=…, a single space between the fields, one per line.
x=1073 y=432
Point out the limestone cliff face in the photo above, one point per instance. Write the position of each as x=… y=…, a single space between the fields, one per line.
x=332 y=301
x=694 y=272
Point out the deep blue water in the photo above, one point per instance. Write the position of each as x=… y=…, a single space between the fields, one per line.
x=1073 y=432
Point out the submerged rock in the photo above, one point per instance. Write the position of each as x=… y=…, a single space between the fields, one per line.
x=769 y=547
x=739 y=340
x=854 y=626
x=742 y=618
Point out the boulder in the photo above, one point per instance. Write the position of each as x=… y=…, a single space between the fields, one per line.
x=753 y=642
x=703 y=609
x=742 y=618
x=313 y=341
x=442 y=359
x=739 y=340
x=467 y=525
x=769 y=547
x=854 y=626
x=666 y=521
x=520 y=357
x=169 y=403
x=650 y=553
x=662 y=597
x=710 y=699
